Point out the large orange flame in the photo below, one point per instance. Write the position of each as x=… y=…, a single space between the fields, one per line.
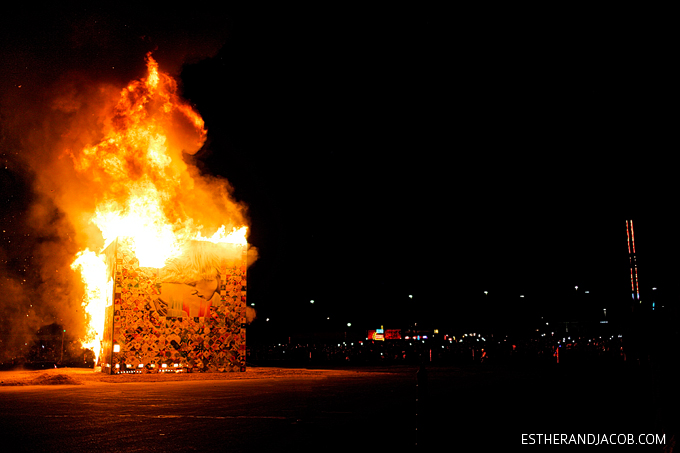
x=150 y=193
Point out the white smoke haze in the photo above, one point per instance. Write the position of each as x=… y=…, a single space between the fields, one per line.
x=37 y=288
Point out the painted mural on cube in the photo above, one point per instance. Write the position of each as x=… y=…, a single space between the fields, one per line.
x=188 y=315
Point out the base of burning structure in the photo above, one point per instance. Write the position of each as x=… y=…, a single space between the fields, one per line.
x=139 y=337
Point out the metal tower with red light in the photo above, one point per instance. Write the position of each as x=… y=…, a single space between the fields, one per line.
x=634 y=285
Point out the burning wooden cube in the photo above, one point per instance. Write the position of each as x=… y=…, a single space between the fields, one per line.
x=187 y=316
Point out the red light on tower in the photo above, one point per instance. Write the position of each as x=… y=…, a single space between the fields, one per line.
x=632 y=235
x=634 y=283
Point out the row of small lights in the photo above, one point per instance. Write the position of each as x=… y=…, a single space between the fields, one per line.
x=575 y=287
x=410 y=296
x=349 y=324
x=153 y=365
x=453 y=339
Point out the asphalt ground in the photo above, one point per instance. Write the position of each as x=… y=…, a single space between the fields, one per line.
x=473 y=408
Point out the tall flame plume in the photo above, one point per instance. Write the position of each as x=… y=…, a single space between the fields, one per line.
x=148 y=192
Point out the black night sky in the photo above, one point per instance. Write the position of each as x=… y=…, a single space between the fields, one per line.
x=391 y=151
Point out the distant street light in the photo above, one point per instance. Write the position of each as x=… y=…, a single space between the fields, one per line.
x=486 y=292
x=311 y=301
x=349 y=324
